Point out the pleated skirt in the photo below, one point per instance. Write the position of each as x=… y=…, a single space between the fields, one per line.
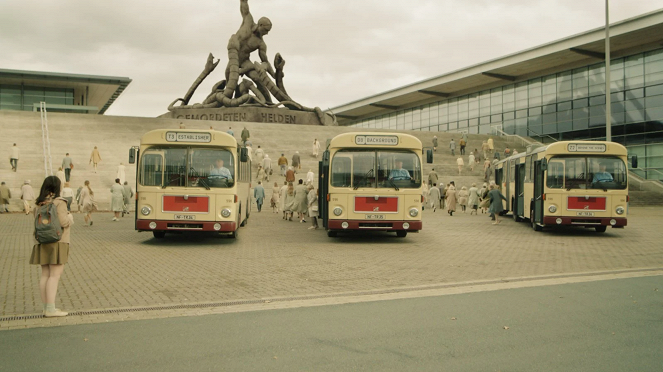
x=50 y=254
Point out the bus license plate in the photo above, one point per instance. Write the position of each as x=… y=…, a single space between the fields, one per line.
x=585 y=214
x=375 y=216
x=185 y=217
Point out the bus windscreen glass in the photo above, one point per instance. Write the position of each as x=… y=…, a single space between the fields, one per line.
x=586 y=172
x=375 y=169
x=187 y=167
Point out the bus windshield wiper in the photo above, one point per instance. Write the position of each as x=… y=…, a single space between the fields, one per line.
x=364 y=179
x=194 y=173
x=393 y=184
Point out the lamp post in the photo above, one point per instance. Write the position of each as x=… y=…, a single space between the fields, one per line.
x=608 y=112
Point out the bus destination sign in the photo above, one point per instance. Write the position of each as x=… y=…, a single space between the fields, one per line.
x=377 y=140
x=586 y=147
x=188 y=137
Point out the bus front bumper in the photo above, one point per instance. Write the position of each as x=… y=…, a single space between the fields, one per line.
x=164 y=225
x=585 y=221
x=375 y=225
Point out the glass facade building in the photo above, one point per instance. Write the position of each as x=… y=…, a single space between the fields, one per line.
x=23 y=98
x=562 y=106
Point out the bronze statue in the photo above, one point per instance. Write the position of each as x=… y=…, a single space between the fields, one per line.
x=263 y=80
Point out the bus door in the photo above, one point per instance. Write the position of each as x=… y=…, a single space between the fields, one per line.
x=519 y=192
x=537 y=217
x=323 y=188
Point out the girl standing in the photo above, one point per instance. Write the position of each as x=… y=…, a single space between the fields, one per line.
x=88 y=203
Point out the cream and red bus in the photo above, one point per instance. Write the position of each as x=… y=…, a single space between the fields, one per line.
x=578 y=183
x=191 y=180
x=371 y=182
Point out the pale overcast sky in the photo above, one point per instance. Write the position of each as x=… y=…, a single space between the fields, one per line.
x=336 y=51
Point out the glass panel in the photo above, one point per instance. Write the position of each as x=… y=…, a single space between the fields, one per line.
x=398 y=169
x=210 y=168
x=592 y=172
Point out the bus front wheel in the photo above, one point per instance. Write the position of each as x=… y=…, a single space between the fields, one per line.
x=601 y=228
x=331 y=234
x=535 y=227
x=159 y=234
x=233 y=235
x=401 y=234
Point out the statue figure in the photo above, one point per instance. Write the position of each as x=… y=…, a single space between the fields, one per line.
x=264 y=81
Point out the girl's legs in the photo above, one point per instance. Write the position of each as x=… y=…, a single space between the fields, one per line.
x=117 y=216
x=55 y=271
x=45 y=273
x=89 y=217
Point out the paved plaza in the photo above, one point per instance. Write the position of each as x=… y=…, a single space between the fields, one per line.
x=113 y=267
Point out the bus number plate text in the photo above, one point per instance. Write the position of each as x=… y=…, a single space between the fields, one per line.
x=375 y=216
x=585 y=214
x=185 y=217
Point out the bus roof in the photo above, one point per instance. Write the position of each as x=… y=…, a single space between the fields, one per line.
x=188 y=137
x=375 y=140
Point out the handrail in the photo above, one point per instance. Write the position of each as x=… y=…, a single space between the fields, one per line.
x=542 y=135
x=648 y=170
x=522 y=139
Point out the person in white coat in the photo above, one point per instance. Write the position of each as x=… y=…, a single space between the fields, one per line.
x=434 y=196
x=267 y=165
x=471 y=161
x=310 y=177
x=316 y=148
x=260 y=154
x=60 y=174
x=282 y=192
x=120 y=173
x=28 y=195
x=460 y=164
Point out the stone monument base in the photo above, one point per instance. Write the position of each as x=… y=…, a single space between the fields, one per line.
x=250 y=114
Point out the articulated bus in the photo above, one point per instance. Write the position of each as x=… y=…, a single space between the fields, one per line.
x=579 y=183
x=191 y=180
x=371 y=182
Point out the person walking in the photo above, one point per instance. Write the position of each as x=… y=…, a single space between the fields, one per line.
x=5 y=195
x=289 y=202
x=486 y=150
x=230 y=131
x=283 y=163
x=13 y=157
x=121 y=173
x=316 y=149
x=249 y=150
x=267 y=166
x=95 y=158
x=425 y=190
x=274 y=201
x=507 y=152
x=259 y=194
x=463 y=195
x=128 y=195
x=432 y=177
x=301 y=203
x=451 y=199
x=68 y=195
x=261 y=176
x=462 y=144
x=460 y=164
x=79 y=201
x=491 y=145
x=67 y=165
x=496 y=198
x=52 y=256
x=484 y=202
x=88 y=203
x=60 y=174
x=296 y=161
x=312 y=197
x=486 y=170
x=260 y=154
x=245 y=135
x=471 y=161
x=117 y=199
x=452 y=146
x=28 y=195
x=290 y=175
x=282 y=194
x=434 y=196
x=434 y=143
x=473 y=199
x=310 y=177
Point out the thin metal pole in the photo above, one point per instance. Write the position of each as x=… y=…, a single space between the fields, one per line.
x=608 y=112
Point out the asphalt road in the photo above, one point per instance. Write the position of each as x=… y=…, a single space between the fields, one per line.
x=611 y=325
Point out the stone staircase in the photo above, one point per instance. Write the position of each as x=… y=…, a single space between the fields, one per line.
x=114 y=136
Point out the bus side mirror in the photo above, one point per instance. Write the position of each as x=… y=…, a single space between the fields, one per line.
x=429 y=156
x=544 y=164
x=243 y=154
x=634 y=161
x=132 y=155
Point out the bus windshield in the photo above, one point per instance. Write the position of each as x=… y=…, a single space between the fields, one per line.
x=187 y=167
x=586 y=172
x=376 y=169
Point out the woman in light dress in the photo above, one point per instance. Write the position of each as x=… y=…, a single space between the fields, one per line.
x=462 y=198
x=117 y=199
x=61 y=176
x=88 y=203
x=261 y=175
x=282 y=193
x=460 y=164
x=316 y=147
x=451 y=199
x=471 y=161
x=275 y=198
x=424 y=193
x=289 y=202
x=312 y=198
x=473 y=199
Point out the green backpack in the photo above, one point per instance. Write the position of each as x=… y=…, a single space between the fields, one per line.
x=47 y=224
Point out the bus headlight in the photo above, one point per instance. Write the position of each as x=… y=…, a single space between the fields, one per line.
x=345 y=225
x=338 y=211
x=145 y=210
x=217 y=226
x=225 y=213
x=619 y=210
x=406 y=225
x=552 y=209
x=153 y=225
x=613 y=222
x=414 y=212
